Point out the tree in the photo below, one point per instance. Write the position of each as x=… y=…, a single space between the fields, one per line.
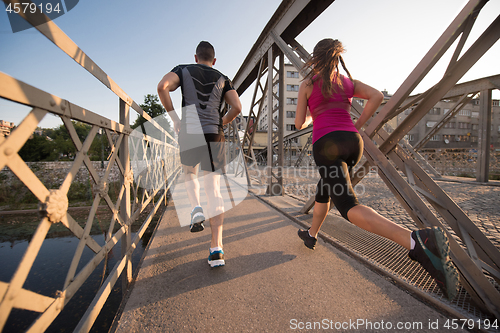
x=153 y=108
x=37 y=148
x=63 y=143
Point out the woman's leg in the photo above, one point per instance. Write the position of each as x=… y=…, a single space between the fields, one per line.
x=430 y=246
x=319 y=215
x=369 y=220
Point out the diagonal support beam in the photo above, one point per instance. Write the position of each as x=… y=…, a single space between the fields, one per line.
x=483 y=43
x=463 y=101
x=425 y=65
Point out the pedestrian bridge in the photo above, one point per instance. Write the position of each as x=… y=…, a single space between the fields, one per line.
x=271 y=281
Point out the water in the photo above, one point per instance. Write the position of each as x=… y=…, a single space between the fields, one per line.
x=49 y=272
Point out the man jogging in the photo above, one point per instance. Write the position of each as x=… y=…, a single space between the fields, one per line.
x=201 y=137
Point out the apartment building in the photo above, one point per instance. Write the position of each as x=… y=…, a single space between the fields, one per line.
x=292 y=82
x=461 y=131
x=6 y=127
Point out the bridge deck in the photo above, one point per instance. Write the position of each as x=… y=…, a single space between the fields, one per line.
x=271 y=281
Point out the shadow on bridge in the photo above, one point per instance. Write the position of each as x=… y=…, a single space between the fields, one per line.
x=271 y=281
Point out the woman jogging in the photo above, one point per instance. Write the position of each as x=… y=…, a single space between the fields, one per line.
x=338 y=147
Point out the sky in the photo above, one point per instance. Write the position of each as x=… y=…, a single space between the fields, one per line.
x=137 y=42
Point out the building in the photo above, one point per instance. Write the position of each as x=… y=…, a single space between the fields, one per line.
x=461 y=131
x=6 y=127
x=292 y=81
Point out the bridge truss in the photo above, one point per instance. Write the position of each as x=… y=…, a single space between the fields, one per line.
x=146 y=189
x=476 y=258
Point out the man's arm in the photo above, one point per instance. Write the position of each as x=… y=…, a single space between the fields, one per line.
x=170 y=82
x=231 y=98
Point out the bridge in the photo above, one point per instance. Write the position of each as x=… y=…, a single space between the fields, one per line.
x=271 y=276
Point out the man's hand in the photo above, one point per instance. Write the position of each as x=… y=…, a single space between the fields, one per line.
x=175 y=119
x=177 y=125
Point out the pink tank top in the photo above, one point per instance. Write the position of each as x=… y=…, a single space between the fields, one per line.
x=332 y=114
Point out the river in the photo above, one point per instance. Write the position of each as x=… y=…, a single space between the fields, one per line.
x=49 y=272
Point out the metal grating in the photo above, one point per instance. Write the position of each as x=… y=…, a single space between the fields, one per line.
x=385 y=256
x=393 y=259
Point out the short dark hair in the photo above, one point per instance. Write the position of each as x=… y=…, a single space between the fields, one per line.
x=205 y=51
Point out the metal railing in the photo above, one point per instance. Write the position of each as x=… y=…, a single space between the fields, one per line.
x=143 y=181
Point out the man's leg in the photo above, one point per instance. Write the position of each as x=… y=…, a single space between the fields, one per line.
x=215 y=206
x=216 y=213
x=192 y=185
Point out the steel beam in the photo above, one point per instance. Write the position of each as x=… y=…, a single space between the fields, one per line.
x=289 y=20
x=482 y=44
x=125 y=209
x=252 y=120
x=484 y=137
x=275 y=110
x=430 y=59
x=463 y=101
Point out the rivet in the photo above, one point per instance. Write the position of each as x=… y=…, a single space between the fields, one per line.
x=63 y=107
x=52 y=103
x=8 y=151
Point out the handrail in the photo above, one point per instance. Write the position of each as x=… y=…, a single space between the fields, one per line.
x=155 y=180
x=62 y=41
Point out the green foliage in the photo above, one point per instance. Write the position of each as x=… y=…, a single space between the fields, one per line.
x=80 y=192
x=64 y=144
x=38 y=148
x=100 y=148
x=55 y=144
x=153 y=108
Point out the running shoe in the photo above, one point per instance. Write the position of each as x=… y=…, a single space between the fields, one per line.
x=432 y=251
x=197 y=219
x=309 y=241
x=216 y=258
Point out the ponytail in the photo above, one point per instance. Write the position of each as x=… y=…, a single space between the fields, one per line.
x=325 y=64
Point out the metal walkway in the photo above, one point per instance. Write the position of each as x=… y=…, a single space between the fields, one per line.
x=271 y=281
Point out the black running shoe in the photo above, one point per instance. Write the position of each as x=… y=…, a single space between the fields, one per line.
x=197 y=219
x=309 y=241
x=432 y=251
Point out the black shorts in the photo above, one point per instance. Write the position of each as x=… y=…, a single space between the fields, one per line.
x=211 y=156
x=335 y=154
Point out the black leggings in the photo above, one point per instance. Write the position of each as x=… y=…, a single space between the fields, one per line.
x=335 y=154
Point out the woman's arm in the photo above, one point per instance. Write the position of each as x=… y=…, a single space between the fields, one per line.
x=302 y=116
x=374 y=99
